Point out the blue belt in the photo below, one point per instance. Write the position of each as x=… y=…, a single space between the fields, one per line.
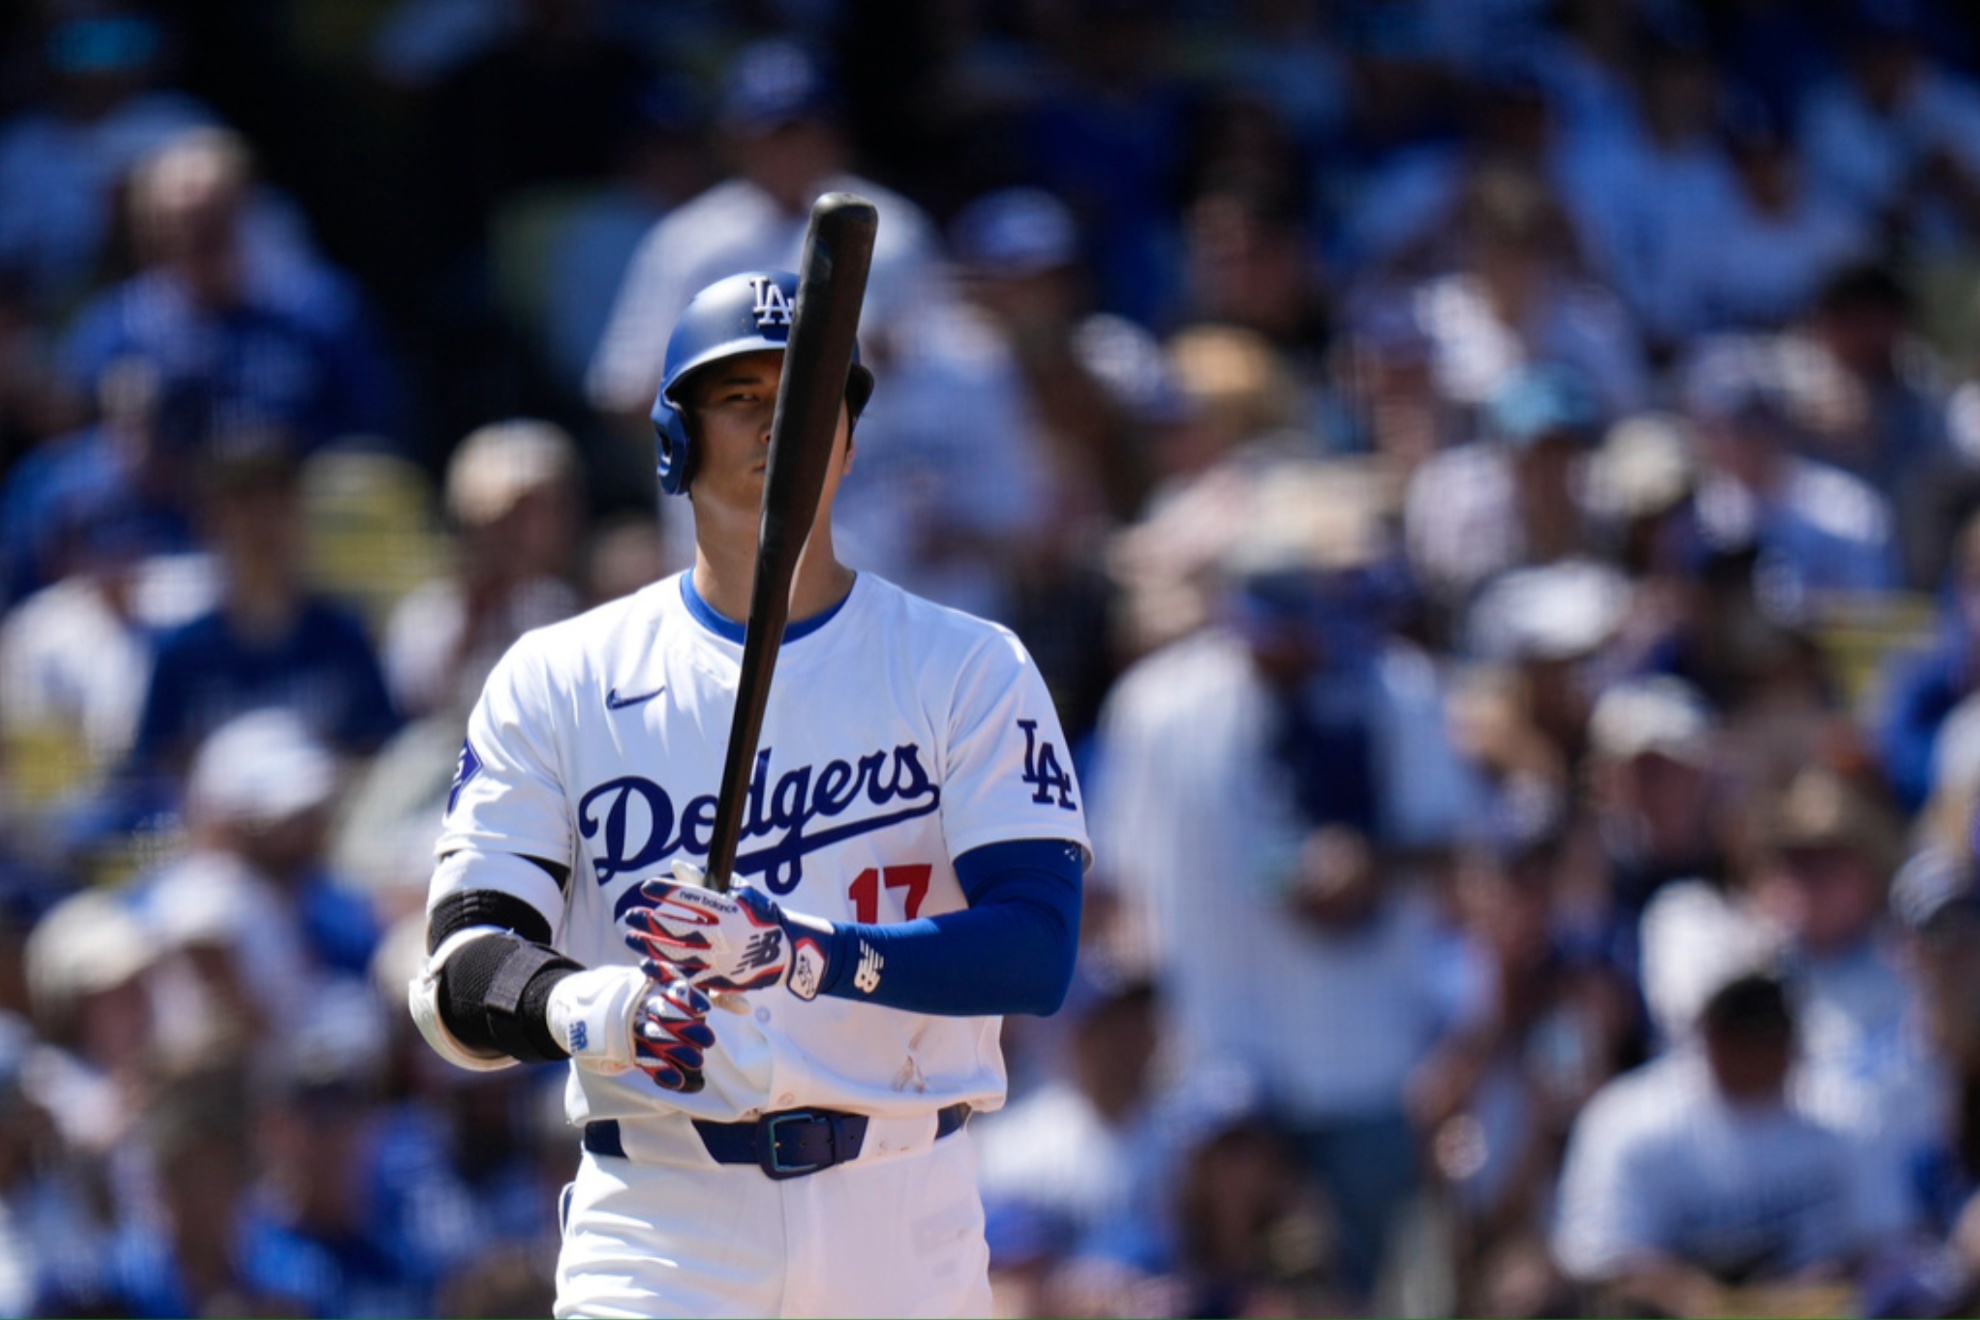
x=789 y=1143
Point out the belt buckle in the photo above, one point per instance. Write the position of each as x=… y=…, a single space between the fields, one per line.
x=766 y=1144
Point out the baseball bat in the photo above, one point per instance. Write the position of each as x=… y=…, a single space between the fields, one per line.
x=838 y=252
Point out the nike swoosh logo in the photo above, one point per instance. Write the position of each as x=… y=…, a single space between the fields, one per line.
x=613 y=701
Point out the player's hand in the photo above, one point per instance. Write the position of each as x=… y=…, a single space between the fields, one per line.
x=736 y=941
x=615 y=1019
x=671 y=1036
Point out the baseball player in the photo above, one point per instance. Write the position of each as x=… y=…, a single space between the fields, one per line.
x=909 y=869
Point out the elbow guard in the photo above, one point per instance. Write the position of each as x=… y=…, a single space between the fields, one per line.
x=423 y=997
x=480 y=1001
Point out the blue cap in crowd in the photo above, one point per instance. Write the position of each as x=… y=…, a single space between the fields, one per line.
x=1544 y=400
x=773 y=83
x=1735 y=379
x=1016 y=232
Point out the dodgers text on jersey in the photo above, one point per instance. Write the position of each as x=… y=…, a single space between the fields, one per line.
x=634 y=826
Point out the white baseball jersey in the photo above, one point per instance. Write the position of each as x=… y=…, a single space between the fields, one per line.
x=898 y=735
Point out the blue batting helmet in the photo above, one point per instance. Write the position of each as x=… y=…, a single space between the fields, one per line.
x=740 y=314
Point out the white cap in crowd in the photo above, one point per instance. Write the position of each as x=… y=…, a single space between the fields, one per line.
x=1647 y=463
x=1561 y=611
x=260 y=769
x=1660 y=714
x=88 y=943
x=498 y=464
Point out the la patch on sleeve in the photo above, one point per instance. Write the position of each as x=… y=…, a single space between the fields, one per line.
x=1042 y=769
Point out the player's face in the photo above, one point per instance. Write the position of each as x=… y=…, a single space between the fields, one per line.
x=734 y=402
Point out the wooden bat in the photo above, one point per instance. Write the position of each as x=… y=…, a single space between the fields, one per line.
x=838 y=252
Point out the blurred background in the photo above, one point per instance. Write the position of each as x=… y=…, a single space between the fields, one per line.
x=1492 y=485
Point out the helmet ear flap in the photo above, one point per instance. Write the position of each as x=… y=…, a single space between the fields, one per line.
x=674 y=435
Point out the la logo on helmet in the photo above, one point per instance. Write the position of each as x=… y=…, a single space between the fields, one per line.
x=772 y=307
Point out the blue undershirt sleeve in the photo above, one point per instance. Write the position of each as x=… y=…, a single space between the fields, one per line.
x=1010 y=951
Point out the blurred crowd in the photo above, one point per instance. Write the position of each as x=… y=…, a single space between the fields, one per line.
x=1494 y=486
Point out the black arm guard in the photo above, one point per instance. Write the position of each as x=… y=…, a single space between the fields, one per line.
x=493 y=994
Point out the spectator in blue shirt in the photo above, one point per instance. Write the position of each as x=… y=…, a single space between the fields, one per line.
x=319 y=1225
x=64 y=485
x=239 y=333
x=184 y=1256
x=1814 y=528
x=105 y=71
x=270 y=641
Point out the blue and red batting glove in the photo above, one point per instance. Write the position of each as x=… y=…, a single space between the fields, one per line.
x=613 y=1019
x=671 y=1036
x=741 y=940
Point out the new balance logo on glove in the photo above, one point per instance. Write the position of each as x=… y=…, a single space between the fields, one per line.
x=765 y=949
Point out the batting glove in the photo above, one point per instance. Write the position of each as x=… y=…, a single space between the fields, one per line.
x=736 y=941
x=616 y=1019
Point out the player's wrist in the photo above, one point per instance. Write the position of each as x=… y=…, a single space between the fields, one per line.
x=817 y=954
x=590 y=1013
